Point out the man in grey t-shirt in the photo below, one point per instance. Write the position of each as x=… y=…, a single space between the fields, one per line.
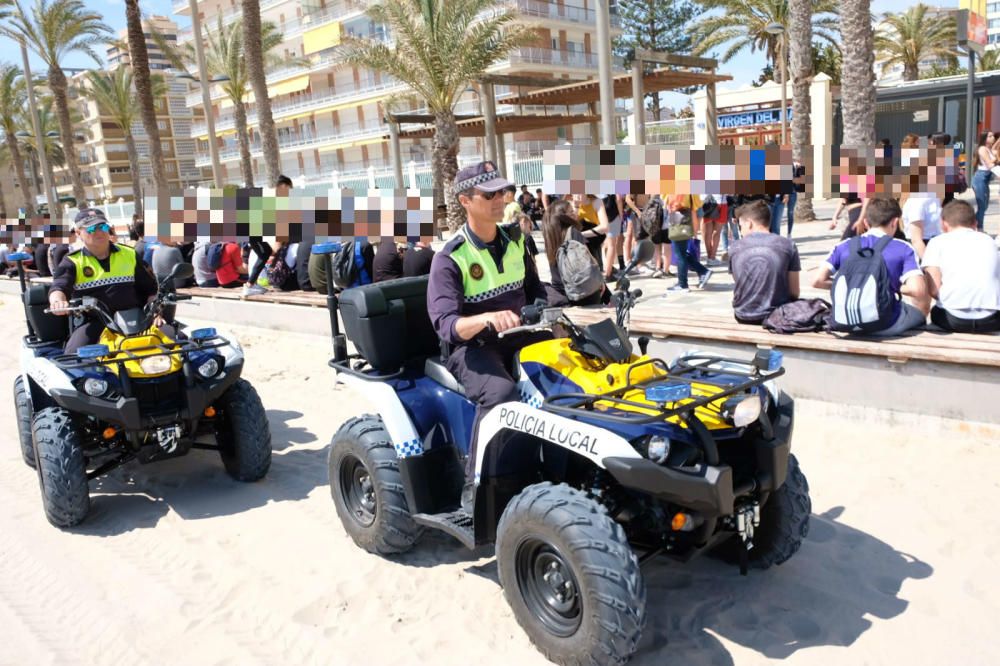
x=165 y=257
x=765 y=266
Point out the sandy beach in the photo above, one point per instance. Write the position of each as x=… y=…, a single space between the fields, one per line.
x=178 y=564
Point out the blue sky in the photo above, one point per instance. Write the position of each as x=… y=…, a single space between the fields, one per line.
x=744 y=68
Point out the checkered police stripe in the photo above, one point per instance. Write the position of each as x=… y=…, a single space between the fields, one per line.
x=104 y=282
x=485 y=296
x=463 y=185
x=408 y=448
x=531 y=400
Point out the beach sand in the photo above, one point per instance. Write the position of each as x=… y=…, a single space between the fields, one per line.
x=178 y=564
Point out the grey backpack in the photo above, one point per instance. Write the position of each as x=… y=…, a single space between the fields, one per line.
x=581 y=276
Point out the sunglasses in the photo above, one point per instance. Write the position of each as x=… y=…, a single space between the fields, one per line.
x=100 y=226
x=487 y=195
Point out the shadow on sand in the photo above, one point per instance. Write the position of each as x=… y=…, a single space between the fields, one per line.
x=196 y=486
x=819 y=597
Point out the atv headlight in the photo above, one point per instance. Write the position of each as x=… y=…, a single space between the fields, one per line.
x=743 y=411
x=657 y=449
x=155 y=365
x=209 y=368
x=95 y=387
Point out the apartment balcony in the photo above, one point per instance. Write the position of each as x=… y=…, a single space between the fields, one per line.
x=342 y=11
x=304 y=140
x=302 y=104
x=181 y=8
x=557 y=12
x=532 y=55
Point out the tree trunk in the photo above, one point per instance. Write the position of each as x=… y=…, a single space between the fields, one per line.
x=445 y=156
x=3 y=206
x=800 y=59
x=857 y=73
x=22 y=180
x=133 y=167
x=58 y=85
x=144 y=90
x=246 y=166
x=253 y=52
x=656 y=106
x=910 y=72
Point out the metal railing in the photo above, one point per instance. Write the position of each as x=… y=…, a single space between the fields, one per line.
x=352 y=132
x=544 y=56
x=551 y=10
x=674 y=132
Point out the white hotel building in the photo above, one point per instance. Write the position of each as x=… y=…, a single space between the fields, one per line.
x=329 y=115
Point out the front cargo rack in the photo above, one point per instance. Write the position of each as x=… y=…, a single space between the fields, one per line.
x=574 y=405
x=73 y=362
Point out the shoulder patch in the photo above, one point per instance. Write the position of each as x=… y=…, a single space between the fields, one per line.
x=454 y=243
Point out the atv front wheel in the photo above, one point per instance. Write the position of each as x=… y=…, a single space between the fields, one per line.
x=62 y=467
x=367 y=488
x=22 y=405
x=570 y=576
x=784 y=523
x=243 y=435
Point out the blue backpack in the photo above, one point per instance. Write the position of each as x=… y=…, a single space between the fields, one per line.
x=214 y=255
x=862 y=295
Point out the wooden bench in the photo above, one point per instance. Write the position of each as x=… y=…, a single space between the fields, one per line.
x=307 y=298
x=930 y=344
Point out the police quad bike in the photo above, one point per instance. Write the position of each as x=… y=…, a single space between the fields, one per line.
x=610 y=457
x=136 y=395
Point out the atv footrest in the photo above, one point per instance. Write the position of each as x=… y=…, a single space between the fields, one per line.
x=456 y=523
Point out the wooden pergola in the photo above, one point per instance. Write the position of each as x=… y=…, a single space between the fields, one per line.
x=476 y=126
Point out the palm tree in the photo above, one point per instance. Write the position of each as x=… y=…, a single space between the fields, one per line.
x=54 y=29
x=51 y=141
x=224 y=58
x=857 y=72
x=742 y=24
x=800 y=48
x=912 y=37
x=117 y=99
x=254 y=53
x=440 y=47
x=989 y=61
x=13 y=97
x=139 y=61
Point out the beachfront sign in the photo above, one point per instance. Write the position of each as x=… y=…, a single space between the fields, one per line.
x=753 y=118
x=971 y=24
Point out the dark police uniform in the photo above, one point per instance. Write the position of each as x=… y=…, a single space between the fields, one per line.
x=119 y=282
x=470 y=277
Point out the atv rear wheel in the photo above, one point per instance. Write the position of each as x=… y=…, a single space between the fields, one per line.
x=22 y=405
x=367 y=488
x=62 y=467
x=784 y=523
x=570 y=576
x=243 y=435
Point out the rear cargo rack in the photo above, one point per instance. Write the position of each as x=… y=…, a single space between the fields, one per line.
x=574 y=405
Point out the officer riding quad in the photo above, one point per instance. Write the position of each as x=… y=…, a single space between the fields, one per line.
x=609 y=458
x=137 y=395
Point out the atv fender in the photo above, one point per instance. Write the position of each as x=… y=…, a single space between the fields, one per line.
x=397 y=422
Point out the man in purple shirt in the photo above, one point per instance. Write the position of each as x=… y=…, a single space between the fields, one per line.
x=478 y=284
x=901 y=262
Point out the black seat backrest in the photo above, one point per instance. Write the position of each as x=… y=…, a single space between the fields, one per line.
x=46 y=327
x=388 y=322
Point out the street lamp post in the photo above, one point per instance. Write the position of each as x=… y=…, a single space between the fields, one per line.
x=36 y=124
x=779 y=30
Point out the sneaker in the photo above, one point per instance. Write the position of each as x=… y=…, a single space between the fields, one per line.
x=253 y=290
x=678 y=288
x=658 y=273
x=703 y=280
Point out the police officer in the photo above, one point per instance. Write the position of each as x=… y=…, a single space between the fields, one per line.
x=478 y=284
x=111 y=273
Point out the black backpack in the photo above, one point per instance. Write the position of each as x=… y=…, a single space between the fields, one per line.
x=800 y=316
x=652 y=218
x=862 y=295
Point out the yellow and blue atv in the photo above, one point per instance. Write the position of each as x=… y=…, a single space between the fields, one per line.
x=609 y=458
x=136 y=395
